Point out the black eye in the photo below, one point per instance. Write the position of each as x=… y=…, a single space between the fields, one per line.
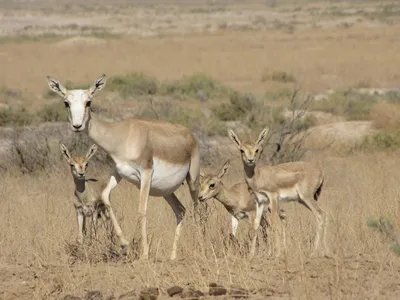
x=212 y=185
x=72 y=165
x=66 y=104
x=86 y=165
x=88 y=103
x=257 y=151
x=241 y=151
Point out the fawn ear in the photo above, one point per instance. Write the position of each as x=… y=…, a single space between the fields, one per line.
x=98 y=85
x=202 y=174
x=224 y=169
x=92 y=151
x=234 y=137
x=263 y=135
x=65 y=152
x=56 y=86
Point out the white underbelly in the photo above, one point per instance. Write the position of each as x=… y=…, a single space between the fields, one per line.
x=288 y=195
x=166 y=177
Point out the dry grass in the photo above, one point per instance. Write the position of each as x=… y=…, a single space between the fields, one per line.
x=38 y=223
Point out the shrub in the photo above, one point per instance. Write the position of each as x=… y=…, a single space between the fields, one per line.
x=279 y=76
x=282 y=94
x=198 y=86
x=16 y=117
x=54 y=112
x=386 y=140
x=238 y=107
x=134 y=84
x=353 y=105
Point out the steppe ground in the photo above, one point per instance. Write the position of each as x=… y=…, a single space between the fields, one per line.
x=323 y=45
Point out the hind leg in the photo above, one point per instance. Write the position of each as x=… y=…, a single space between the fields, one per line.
x=321 y=220
x=179 y=211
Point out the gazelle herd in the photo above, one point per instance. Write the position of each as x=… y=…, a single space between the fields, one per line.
x=157 y=156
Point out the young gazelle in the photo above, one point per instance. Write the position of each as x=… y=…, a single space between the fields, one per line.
x=295 y=181
x=87 y=191
x=156 y=156
x=238 y=199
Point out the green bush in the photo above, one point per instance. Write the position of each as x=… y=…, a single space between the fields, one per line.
x=198 y=86
x=281 y=94
x=353 y=105
x=134 y=84
x=279 y=76
x=238 y=107
x=16 y=117
x=54 y=112
x=386 y=140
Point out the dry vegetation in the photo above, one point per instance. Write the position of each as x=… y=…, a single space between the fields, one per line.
x=209 y=67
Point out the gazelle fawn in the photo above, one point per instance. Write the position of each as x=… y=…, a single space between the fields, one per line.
x=295 y=181
x=88 y=202
x=238 y=200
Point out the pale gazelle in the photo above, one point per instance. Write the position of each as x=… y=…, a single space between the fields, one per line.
x=294 y=181
x=156 y=156
x=87 y=192
x=238 y=200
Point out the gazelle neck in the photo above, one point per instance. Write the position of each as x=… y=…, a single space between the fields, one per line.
x=249 y=172
x=99 y=132
x=79 y=185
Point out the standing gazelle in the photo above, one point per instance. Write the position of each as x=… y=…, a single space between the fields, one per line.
x=156 y=156
x=238 y=200
x=87 y=191
x=295 y=181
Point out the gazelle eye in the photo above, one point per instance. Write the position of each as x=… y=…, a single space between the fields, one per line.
x=241 y=151
x=257 y=151
x=66 y=104
x=72 y=165
x=86 y=165
x=212 y=185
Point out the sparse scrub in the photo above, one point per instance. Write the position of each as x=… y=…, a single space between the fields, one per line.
x=282 y=94
x=54 y=112
x=381 y=141
x=238 y=107
x=280 y=76
x=134 y=84
x=353 y=105
x=385 y=115
x=197 y=86
x=15 y=117
x=386 y=227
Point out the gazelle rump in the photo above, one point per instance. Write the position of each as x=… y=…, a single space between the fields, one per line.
x=295 y=181
x=238 y=200
x=87 y=192
x=156 y=156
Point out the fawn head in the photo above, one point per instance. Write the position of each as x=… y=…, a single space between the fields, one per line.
x=79 y=164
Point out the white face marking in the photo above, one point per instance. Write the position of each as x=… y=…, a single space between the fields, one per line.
x=165 y=180
x=77 y=101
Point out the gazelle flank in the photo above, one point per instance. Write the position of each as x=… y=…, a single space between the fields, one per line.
x=238 y=199
x=87 y=192
x=295 y=181
x=156 y=156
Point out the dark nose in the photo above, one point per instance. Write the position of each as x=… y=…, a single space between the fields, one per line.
x=77 y=126
x=201 y=198
x=251 y=160
x=81 y=174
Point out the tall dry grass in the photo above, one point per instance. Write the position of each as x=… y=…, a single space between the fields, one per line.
x=38 y=231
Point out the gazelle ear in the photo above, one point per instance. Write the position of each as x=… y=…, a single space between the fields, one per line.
x=92 y=150
x=234 y=137
x=224 y=169
x=56 y=86
x=263 y=135
x=65 y=152
x=98 y=85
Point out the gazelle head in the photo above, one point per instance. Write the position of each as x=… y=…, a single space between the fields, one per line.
x=250 y=152
x=78 y=164
x=211 y=185
x=77 y=101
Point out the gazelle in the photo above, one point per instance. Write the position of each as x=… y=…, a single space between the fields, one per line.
x=238 y=200
x=295 y=181
x=156 y=156
x=87 y=191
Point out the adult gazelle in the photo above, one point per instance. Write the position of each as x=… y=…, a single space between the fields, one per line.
x=156 y=156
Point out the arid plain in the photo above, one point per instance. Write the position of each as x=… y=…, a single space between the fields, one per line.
x=337 y=51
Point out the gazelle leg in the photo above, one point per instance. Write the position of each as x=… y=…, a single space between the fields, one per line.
x=179 y=211
x=321 y=219
x=81 y=223
x=275 y=223
x=235 y=223
x=256 y=225
x=114 y=180
x=200 y=209
x=145 y=184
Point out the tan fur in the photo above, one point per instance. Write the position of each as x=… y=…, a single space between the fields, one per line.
x=156 y=156
x=88 y=202
x=296 y=181
x=238 y=200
